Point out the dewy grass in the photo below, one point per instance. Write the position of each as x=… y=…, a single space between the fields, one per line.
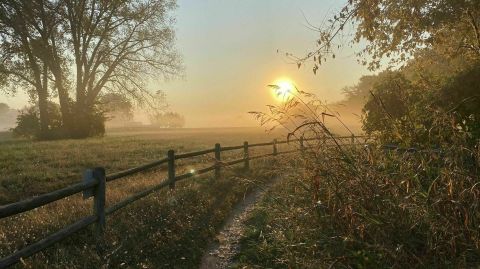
x=30 y=168
x=366 y=207
x=168 y=229
x=165 y=229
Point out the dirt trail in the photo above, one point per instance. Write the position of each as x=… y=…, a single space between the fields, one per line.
x=220 y=253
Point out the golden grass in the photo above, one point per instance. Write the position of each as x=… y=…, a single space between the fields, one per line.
x=30 y=168
x=167 y=228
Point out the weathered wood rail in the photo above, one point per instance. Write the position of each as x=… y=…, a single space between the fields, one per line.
x=94 y=185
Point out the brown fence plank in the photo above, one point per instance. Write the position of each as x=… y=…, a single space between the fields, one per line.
x=260 y=144
x=232 y=148
x=135 y=170
x=135 y=197
x=99 y=202
x=38 y=201
x=193 y=154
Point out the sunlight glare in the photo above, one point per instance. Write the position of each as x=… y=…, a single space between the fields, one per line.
x=283 y=90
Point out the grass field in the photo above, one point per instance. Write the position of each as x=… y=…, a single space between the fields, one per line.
x=30 y=168
x=381 y=210
x=167 y=229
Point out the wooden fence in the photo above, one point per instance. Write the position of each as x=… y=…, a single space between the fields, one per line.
x=94 y=185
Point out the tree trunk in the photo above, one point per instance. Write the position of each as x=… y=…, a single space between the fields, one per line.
x=63 y=95
x=88 y=121
x=82 y=121
x=65 y=104
x=42 y=106
x=43 y=111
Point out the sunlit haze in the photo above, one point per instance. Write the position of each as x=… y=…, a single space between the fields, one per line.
x=229 y=51
x=282 y=89
x=211 y=134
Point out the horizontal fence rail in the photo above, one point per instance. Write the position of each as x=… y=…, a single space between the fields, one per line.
x=135 y=170
x=194 y=154
x=94 y=185
x=41 y=200
x=47 y=241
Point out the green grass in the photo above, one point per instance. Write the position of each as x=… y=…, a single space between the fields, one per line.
x=281 y=232
x=389 y=210
x=5 y=136
x=168 y=229
x=30 y=168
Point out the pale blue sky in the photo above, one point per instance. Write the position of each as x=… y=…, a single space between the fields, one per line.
x=229 y=52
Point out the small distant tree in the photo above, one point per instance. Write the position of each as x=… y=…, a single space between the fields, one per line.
x=167 y=120
x=29 y=126
x=117 y=107
x=356 y=96
x=28 y=123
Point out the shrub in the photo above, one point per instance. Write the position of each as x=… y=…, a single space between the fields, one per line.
x=405 y=111
x=347 y=206
x=28 y=122
x=461 y=98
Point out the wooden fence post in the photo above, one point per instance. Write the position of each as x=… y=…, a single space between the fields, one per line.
x=99 y=201
x=275 y=147
x=246 y=157
x=302 y=147
x=217 y=160
x=171 y=168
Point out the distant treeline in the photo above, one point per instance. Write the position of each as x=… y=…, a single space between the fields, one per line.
x=8 y=117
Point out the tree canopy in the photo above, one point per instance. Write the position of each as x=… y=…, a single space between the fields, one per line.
x=396 y=29
x=85 y=47
x=167 y=120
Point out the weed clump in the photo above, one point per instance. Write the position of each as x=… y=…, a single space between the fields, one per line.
x=351 y=202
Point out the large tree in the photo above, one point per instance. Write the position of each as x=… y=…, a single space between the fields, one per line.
x=115 y=45
x=23 y=34
x=87 y=47
x=396 y=29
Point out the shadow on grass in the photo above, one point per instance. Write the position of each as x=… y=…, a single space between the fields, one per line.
x=168 y=229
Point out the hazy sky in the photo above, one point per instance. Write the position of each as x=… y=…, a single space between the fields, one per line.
x=229 y=50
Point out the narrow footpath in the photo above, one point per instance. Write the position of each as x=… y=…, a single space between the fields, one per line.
x=220 y=253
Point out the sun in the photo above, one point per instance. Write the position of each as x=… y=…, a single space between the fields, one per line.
x=282 y=89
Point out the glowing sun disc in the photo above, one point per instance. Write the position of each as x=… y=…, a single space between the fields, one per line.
x=283 y=89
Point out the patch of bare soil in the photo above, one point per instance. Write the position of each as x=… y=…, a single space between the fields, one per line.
x=220 y=253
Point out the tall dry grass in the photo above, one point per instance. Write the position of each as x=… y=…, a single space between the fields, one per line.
x=168 y=229
x=363 y=206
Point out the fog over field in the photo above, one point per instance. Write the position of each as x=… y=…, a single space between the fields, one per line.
x=222 y=134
